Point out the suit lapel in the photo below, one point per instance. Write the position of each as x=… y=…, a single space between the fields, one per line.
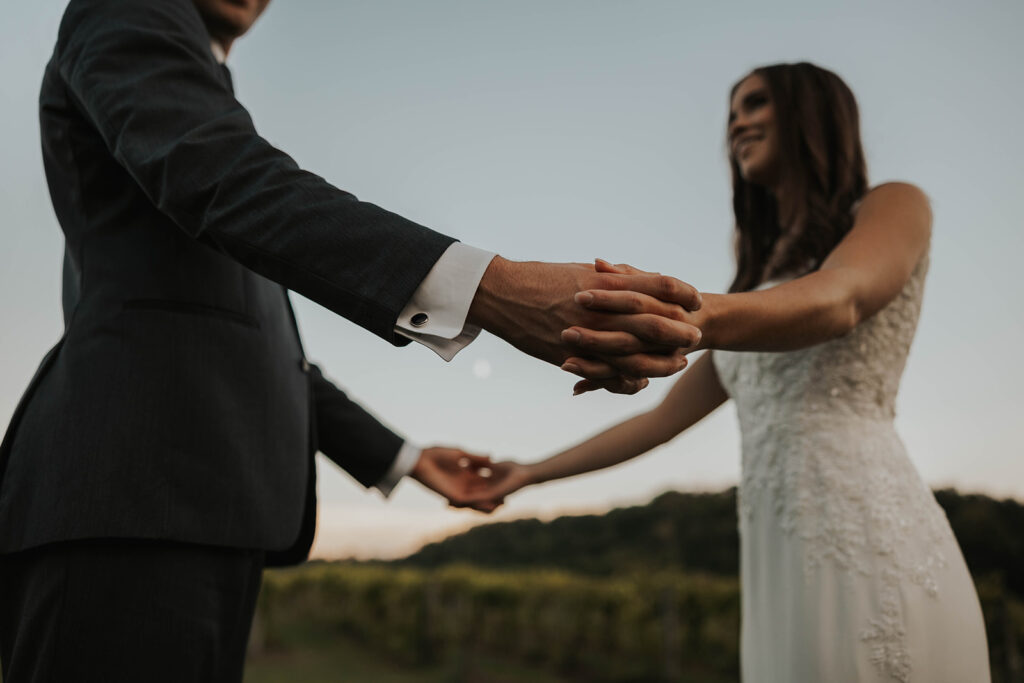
x=227 y=78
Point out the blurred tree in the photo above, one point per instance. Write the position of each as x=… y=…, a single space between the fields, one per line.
x=697 y=532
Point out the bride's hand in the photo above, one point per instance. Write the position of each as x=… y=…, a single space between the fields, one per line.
x=504 y=478
x=596 y=370
x=454 y=474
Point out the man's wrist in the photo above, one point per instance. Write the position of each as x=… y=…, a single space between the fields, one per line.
x=491 y=291
x=416 y=470
x=508 y=298
x=406 y=461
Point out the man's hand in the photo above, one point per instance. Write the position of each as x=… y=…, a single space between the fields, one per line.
x=456 y=475
x=543 y=309
x=597 y=370
x=503 y=479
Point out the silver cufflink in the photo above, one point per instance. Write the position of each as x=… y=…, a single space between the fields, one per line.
x=419 y=320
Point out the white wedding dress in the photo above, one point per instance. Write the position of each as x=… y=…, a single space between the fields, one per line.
x=849 y=569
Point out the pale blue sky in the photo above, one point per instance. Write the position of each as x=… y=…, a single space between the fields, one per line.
x=565 y=130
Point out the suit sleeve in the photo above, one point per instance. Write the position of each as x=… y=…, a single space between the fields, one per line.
x=142 y=73
x=350 y=436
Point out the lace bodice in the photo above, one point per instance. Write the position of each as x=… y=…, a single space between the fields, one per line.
x=822 y=459
x=855 y=376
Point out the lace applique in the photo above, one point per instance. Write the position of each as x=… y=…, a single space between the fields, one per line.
x=885 y=634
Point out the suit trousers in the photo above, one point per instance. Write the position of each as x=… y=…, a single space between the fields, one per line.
x=127 y=611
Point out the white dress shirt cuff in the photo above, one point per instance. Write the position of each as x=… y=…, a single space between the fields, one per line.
x=218 y=52
x=436 y=314
x=408 y=456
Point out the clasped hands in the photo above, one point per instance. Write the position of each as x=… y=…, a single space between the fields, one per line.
x=470 y=480
x=613 y=326
x=467 y=479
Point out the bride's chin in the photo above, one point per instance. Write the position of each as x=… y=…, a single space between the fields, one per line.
x=755 y=175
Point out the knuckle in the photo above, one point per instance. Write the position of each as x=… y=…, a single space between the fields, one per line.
x=639 y=366
x=628 y=344
x=595 y=372
x=695 y=299
x=662 y=370
x=648 y=369
x=634 y=303
x=623 y=367
x=657 y=327
x=583 y=370
x=668 y=286
x=675 y=312
x=627 y=386
x=663 y=366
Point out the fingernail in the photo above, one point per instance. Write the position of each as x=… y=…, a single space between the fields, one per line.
x=577 y=392
x=571 y=367
x=571 y=336
x=584 y=298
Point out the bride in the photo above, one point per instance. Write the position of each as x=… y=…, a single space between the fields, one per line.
x=849 y=569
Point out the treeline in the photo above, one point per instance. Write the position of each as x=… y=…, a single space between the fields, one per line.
x=697 y=532
x=693 y=532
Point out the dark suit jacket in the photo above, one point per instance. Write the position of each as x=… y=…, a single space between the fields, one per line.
x=178 y=404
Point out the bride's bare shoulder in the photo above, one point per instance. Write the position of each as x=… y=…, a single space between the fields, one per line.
x=895 y=206
x=897 y=195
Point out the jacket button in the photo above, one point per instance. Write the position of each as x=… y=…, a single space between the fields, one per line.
x=419 y=320
x=304 y=365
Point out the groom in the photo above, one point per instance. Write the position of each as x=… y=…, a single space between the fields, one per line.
x=163 y=453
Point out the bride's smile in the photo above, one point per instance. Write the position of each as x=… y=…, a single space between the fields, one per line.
x=752 y=132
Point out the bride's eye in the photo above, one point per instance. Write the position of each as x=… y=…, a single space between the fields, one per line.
x=756 y=102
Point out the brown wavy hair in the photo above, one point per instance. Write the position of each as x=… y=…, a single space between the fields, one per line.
x=823 y=176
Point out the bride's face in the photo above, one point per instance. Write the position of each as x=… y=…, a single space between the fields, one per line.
x=753 y=132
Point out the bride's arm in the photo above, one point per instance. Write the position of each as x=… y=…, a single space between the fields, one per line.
x=865 y=271
x=694 y=395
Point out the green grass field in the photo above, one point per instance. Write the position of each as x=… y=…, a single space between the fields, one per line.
x=343 y=661
x=340 y=660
